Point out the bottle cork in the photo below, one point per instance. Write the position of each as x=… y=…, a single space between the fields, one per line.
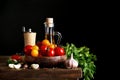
x=49 y=22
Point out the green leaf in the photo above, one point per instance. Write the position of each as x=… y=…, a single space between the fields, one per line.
x=91 y=75
x=86 y=78
x=84 y=57
x=9 y=61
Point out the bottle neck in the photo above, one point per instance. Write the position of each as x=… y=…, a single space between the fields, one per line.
x=50 y=24
x=49 y=32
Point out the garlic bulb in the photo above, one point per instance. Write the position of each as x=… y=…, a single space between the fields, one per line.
x=71 y=62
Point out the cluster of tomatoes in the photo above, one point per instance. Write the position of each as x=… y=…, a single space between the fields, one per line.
x=44 y=48
x=16 y=57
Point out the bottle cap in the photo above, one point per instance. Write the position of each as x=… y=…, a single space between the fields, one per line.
x=30 y=30
x=49 y=20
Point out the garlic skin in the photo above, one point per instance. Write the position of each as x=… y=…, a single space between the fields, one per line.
x=71 y=62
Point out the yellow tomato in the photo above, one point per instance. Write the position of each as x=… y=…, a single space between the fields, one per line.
x=52 y=46
x=35 y=47
x=46 y=42
x=34 y=53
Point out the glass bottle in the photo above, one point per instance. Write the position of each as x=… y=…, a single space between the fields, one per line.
x=50 y=33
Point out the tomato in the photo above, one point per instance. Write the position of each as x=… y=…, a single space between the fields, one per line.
x=52 y=46
x=34 y=53
x=59 y=51
x=16 y=57
x=39 y=44
x=28 y=49
x=35 y=47
x=50 y=52
x=46 y=42
x=43 y=50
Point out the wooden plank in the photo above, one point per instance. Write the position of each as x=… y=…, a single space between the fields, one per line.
x=3 y=59
x=42 y=74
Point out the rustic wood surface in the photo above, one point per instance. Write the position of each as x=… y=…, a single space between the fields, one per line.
x=42 y=74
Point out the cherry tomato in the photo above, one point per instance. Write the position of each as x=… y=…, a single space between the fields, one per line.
x=43 y=50
x=16 y=57
x=39 y=44
x=28 y=49
x=36 y=47
x=50 y=52
x=52 y=46
x=45 y=42
x=34 y=53
x=59 y=51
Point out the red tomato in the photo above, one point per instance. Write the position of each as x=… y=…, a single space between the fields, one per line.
x=59 y=51
x=39 y=44
x=16 y=57
x=43 y=50
x=28 y=49
x=50 y=52
x=40 y=55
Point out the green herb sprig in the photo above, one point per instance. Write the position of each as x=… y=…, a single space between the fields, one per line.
x=86 y=59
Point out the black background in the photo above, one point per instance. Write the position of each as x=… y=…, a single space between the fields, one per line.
x=79 y=22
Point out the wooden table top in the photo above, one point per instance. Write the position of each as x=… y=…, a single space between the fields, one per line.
x=41 y=74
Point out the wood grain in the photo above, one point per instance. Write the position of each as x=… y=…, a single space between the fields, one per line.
x=41 y=74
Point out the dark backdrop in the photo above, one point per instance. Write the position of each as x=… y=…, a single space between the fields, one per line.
x=79 y=22
x=29 y=13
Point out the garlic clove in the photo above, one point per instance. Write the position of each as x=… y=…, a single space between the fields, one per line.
x=35 y=66
x=11 y=66
x=17 y=66
x=75 y=64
